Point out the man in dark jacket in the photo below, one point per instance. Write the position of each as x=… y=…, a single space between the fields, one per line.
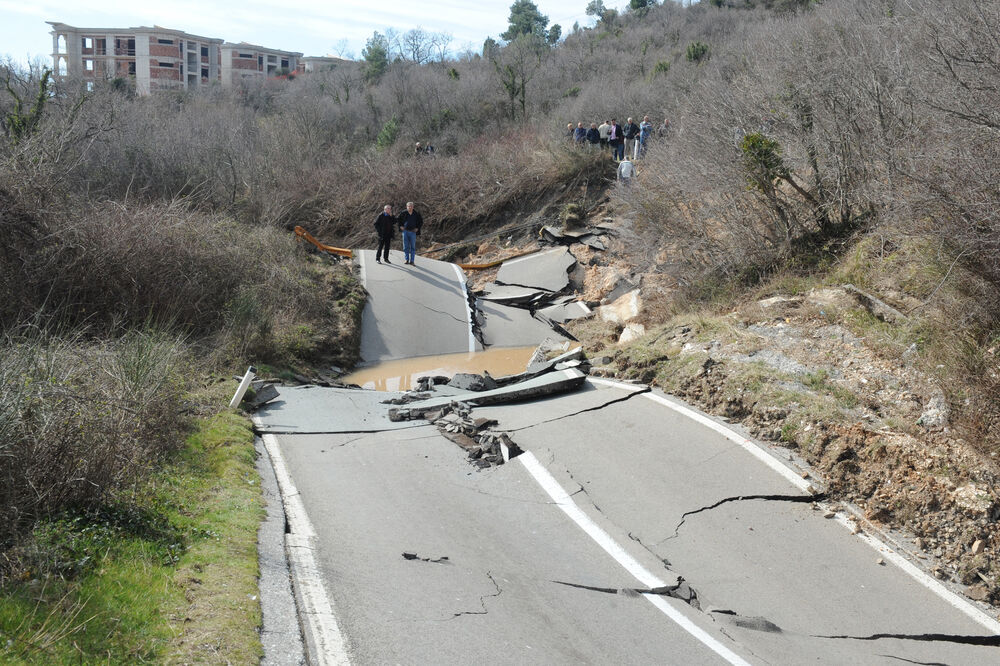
x=631 y=131
x=593 y=135
x=385 y=227
x=410 y=222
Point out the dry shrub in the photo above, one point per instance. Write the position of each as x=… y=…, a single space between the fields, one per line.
x=109 y=264
x=482 y=186
x=80 y=422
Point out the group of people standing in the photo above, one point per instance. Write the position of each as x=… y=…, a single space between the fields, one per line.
x=408 y=222
x=630 y=139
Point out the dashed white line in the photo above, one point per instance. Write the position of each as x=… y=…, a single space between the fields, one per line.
x=562 y=499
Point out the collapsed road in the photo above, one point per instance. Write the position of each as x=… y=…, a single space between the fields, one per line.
x=549 y=517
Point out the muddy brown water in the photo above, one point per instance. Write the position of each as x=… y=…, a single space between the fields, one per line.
x=403 y=374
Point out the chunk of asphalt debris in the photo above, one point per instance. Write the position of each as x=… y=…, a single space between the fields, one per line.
x=265 y=394
x=563 y=312
x=436 y=560
x=544 y=270
x=513 y=295
x=469 y=382
x=406 y=398
x=546 y=384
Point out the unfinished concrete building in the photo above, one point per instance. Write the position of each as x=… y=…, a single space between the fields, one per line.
x=153 y=58
x=248 y=61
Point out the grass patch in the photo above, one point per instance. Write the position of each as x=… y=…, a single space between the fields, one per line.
x=168 y=573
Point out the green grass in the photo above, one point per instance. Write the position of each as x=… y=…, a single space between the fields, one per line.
x=169 y=574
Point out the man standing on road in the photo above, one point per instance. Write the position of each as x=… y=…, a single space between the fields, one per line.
x=410 y=222
x=385 y=227
x=631 y=131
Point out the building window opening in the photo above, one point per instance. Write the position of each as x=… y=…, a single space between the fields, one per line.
x=165 y=41
x=284 y=63
x=246 y=55
x=131 y=69
x=166 y=64
x=62 y=67
x=88 y=65
x=90 y=86
x=204 y=72
x=61 y=44
x=88 y=43
x=260 y=63
x=204 y=52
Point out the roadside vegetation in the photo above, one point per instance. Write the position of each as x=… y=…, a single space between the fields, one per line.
x=147 y=251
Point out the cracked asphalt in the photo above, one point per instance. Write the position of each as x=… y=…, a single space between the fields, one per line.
x=427 y=559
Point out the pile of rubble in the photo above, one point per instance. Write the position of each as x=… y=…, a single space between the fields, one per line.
x=452 y=413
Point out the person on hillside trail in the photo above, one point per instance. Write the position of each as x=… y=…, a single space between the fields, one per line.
x=593 y=136
x=603 y=131
x=385 y=227
x=410 y=222
x=626 y=170
x=616 y=140
x=580 y=134
x=645 y=132
x=631 y=131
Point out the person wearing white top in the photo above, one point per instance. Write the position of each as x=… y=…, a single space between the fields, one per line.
x=626 y=170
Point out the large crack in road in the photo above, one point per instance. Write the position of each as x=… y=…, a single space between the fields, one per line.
x=794 y=499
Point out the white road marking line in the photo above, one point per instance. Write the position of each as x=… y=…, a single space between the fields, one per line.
x=562 y=499
x=908 y=567
x=925 y=579
x=728 y=433
x=361 y=263
x=468 y=312
x=322 y=633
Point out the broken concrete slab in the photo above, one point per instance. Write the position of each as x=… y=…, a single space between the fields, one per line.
x=470 y=382
x=547 y=270
x=561 y=313
x=538 y=367
x=547 y=384
x=512 y=295
x=507 y=326
x=554 y=234
x=594 y=243
x=261 y=396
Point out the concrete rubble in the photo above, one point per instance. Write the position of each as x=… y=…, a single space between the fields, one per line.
x=263 y=393
x=453 y=414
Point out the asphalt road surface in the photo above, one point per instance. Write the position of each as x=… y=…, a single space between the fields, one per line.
x=632 y=530
x=419 y=310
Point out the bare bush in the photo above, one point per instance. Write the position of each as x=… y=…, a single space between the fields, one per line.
x=81 y=422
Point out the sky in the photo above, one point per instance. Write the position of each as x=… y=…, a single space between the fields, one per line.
x=313 y=27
